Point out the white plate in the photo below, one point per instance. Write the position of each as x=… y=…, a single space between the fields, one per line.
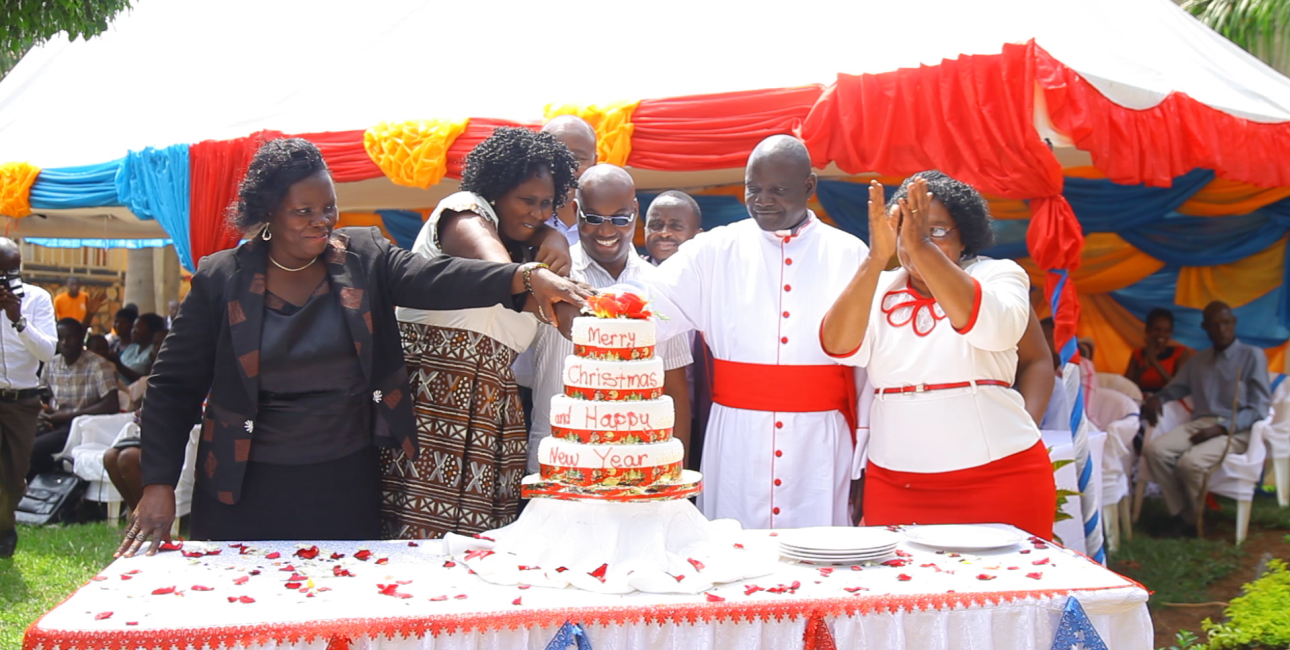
x=837 y=560
x=838 y=556
x=840 y=538
x=963 y=537
x=811 y=551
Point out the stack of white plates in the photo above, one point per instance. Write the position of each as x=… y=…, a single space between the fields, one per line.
x=827 y=545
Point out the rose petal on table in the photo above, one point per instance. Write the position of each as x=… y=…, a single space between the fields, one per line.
x=698 y=566
x=599 y=574
x=854 y=589
x=232 y=599
x=529 y=568
x=739 y=546
x=102 y=616
x=985 y=576
x=384 y=560
x=904 y=577
x=561 y=569
x=363 y=555
x=241 y=580
x=490 y=539
x=461 y=596
x=478 y=554
x=126 y=577
x=518 y=601
x=132 y=572
x=324 y=589
x=163 y=591
x=253 y=572
x=99 y=578
x=246 y=600
x=307 y=553
x=1039 y=562
x=522 y=586
x=243 y=551
x=825 y=571
x=1013 y=568
x=1035 y=576
x=752 y=589
x=132 y=622
x=288 y=568
x=679 y=578
x=273 y=556
x=341 y=572
x=292 y=585
x=713 y=598
x=895 y=563
x=439 y=598
x=337 y=556
x=201 y=588
x=171 y=546
x=388 y=590
x=413 y=544
x=900 y=553
x=797 y=584
x=857 y=567
x=450 y=564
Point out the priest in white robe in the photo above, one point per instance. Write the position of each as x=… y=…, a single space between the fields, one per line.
x=779 y=444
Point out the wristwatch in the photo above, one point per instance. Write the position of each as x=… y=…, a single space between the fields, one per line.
x=527 y=270
x=20 y=324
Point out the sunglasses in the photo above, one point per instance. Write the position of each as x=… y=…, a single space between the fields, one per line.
x=596 y=219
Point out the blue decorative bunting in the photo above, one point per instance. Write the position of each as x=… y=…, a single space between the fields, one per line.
x=403 y=226
x=87 y=186
x=1256 y=322
x=48 y=242
x=1104 y=206
x=153 y=183
x=1075 y=631
x=570 y=634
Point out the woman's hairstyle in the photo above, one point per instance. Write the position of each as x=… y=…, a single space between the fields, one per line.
x=126 y=312
x=277 y=166
x=512 y=155
x=1157 y=313
x=154 y=322
x=966 y=206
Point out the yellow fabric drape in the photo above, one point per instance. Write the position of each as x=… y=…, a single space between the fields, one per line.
x=415 y=153
x=1007 y=209
x=1115 y=332
x=1236 y=284
x=613 y=125
x=16 y=179
x=1088 y=172
x=1224 y=198
x=364 y=220
x=1107 y=263
x=1277 y=357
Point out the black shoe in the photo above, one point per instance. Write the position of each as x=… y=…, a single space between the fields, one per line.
x=8 y=543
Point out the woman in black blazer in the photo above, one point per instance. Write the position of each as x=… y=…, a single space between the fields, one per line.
x=293 y=337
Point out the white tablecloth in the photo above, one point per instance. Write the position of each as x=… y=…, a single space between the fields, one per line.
x=413 y=597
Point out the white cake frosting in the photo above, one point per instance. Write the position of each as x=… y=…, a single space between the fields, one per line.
x=610 y=377
x=627 y=416
x=562 y=453
x=612 y=332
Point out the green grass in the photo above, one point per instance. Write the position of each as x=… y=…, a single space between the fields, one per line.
x=50 y=564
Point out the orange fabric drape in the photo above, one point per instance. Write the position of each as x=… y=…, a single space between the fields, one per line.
x=718 y=131
x=1224 y=198
x=216 y=168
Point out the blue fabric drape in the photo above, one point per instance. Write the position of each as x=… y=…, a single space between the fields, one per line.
x=717 y=210
x=1256 y=322
x=153 y=183
x=87 y=186
x=1206 y=241
x=1104 y=206
x=848 y=204
x=403 y=226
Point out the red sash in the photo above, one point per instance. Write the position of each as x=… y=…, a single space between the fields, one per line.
x=787 y=389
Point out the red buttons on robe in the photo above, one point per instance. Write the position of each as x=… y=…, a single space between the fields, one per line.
x=779 y=425
x=785 y=314
x=784 y=340
x=789 y=261
x=778 y=453
x=778 y=482
x=776 y=511
x=788 y=287
x=788 y=239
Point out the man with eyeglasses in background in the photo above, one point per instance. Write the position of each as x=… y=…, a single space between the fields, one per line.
x=607 y=214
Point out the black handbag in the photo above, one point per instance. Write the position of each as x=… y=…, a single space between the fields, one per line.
x=51 y=498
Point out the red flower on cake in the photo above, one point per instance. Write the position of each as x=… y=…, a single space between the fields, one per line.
x=625 y=305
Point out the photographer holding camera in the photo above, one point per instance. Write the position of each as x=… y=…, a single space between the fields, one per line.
x=28 y=341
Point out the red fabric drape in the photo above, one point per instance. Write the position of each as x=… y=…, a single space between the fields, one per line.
x=972 y=118
x=345 y=155
x=717 y=131
x=1156 y=145
x=476 y=132
x=216 y=167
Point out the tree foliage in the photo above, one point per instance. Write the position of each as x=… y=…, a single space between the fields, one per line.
x=1260 y=27
x=26 y=23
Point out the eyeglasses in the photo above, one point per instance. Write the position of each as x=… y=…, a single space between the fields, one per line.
x=938 y=232
x=596 y=219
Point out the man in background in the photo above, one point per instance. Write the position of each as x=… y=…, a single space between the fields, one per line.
x=82 y=383
x=74 y=303
x=673 y=219
x=576 y=134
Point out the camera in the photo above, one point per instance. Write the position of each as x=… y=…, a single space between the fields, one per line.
x=13 y=280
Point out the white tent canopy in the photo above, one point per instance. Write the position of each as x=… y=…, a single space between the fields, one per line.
x=182 y=71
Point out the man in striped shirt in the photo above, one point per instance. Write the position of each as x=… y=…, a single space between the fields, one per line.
x=607 y=214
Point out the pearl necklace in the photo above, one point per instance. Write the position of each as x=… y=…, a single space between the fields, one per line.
x=289 y=269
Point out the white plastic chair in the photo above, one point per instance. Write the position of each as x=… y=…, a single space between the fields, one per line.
x=1238 y=476
x=1277 y=437
x=1121 y=384
x=1117 y=415
x=1172 y=415
x=88 y=440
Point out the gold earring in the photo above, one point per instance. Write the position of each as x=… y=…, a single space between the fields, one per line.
x=265 y=234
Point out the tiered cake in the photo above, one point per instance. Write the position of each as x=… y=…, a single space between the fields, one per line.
x=611 y=430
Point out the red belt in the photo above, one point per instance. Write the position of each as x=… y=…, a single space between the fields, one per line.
x=923 y=388
x=786 y=389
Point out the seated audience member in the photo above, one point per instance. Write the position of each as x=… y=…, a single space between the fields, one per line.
x=98 y=344
x=1180 y=458
x=119 y=338
x=81 y=385
x=135 y=361
x=1156 y=363
x=123 y=465
x=1057 y=417
x=1087 y=370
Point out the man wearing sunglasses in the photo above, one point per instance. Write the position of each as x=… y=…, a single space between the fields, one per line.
x=607 y=211
x=779 y=445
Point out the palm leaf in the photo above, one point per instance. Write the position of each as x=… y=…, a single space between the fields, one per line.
x=1260 y=27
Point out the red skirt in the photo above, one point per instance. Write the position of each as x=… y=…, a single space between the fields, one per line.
x=1017 y=490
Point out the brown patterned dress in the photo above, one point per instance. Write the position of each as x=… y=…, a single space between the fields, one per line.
x=470 y=428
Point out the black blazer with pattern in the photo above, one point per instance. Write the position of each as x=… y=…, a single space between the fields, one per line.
x=214 y=348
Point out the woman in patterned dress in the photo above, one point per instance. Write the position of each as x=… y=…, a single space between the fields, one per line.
x=470 y=424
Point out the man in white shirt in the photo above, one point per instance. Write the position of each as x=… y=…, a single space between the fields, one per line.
x=607 y=216
x=28 y=341
x=779 y=444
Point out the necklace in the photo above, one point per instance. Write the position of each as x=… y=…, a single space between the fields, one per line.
x=289 y=269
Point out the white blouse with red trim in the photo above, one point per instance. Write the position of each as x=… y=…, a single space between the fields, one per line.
x=911 y=342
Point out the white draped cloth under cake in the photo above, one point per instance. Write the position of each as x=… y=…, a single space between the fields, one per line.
x=447 y=608
x=759 y=297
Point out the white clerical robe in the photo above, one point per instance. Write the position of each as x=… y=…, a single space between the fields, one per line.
x=759 y=297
